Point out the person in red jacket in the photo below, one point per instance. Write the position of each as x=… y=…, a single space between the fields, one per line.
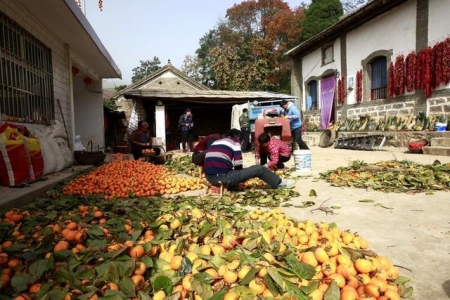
x=277 y=151
x=198 y=157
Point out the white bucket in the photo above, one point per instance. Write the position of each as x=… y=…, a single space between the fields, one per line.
x=302 y=159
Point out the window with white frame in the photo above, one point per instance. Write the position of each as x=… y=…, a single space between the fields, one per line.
x=311 y=100
x=378 y=78
x=327 y=55
x=26 y=75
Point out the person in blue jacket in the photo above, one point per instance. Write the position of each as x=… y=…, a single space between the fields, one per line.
x=292 y=113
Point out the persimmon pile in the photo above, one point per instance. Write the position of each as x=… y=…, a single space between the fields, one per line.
x=183 y=248
x=130 y=178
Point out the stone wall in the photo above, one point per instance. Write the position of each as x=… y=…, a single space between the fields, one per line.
x=439 y=106
x=392 y=109
x=398 y=138
x=312 y=118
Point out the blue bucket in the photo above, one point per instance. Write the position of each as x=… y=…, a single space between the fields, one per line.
x=440 y=127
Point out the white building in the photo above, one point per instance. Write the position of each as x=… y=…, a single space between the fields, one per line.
x=52 y=64
x=366 y=42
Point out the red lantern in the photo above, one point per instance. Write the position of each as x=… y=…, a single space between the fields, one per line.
x=87 y=81
x=75 y=70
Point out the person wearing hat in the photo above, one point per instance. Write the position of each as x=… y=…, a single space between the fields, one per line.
x=292 y=113
x=185 y=124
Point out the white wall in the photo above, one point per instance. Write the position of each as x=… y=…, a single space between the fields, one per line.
x=395 y=30
x=439 y=21
x=160 y=120
x=312 y=67
x=89 y=116
x=87 y=106
x=59 y=56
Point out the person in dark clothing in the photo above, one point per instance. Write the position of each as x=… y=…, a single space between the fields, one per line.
x=186 y=123
x=141 y=139
x=292 y=113
x=198 y=157
x=244 y=123
x=223 y=165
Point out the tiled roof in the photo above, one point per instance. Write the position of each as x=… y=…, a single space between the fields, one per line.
x=371 y=10
x=204 y=96
x=154 y=76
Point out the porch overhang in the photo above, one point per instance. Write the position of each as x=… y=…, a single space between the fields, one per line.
x=65 y=20
x=205 y=96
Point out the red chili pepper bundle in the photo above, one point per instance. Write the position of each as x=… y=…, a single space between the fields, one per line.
x=399 y=77
x=339 y=92
x=446 y=61
x=391 y=80
x=438 y=65
x=410 y=71
x=343 y=89
x=419 y=70
x=428 y=72
x=359 y=86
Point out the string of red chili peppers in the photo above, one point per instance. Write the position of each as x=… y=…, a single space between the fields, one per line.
x=391 y=83
x=359 y=86
x=410 y=71
x=399 y=79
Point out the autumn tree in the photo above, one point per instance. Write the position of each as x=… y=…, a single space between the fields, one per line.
x=120 y=87
x=320 y=15
x=146 y=68
x=199 y=66
x=246 y=50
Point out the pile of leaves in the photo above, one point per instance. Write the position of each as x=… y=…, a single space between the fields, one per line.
x=392 y=176
x=182 y=164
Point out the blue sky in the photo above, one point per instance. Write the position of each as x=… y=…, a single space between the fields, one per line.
x=135 y=30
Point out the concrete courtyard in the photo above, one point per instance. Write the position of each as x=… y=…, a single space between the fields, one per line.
x=414 y=233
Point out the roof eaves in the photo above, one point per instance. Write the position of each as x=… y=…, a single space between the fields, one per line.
x=73 y=6
x=348 y=22
x=152 y=93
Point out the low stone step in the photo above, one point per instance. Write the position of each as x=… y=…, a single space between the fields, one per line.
x=440 y=141
x=310 y=140
x=436 y=150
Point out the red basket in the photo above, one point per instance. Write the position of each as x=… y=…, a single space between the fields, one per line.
x=415 y=145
